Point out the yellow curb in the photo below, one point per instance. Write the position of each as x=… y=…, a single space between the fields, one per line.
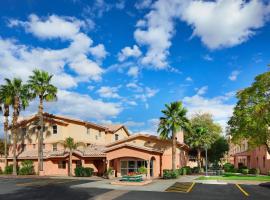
x=190 y=188
x=242 y=190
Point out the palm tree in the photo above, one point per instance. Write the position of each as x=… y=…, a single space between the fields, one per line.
x=174 y=119
x=41 y=87
x=198 y=138
x=69 y=144
x=5 y=103
x=18 y=96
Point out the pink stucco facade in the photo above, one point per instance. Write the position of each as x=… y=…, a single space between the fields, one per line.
x=105 y=146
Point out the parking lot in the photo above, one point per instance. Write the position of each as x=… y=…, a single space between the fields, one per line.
x=49 y=189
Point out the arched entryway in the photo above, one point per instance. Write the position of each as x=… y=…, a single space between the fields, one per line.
x=152 y=166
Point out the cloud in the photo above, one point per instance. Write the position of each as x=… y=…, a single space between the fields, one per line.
x=208 y=57
x=202 y=90
x=143 y=4
x=217 y=106
x=146 y=94
x=79 y=105
x=189 y=79
x=133 y=124
x=129 y=52
x=98 y=51
x=225 y=23
x=108 y=92
x=133 y=71
x=234 y=75
x=19 y=60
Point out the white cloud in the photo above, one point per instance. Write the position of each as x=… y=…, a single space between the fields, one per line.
x=208 y=57
x=79 y=106
x=189 y=79
x=133 y=71
x=134 y=86
x=19 y=60
x=143 y=4
x=234 y=75
x=129 y=52
x=133 y=124
x=202 y=90
x=108 y=92
x=98 y=51
x=225 y=23
x=146 y=94
x=217 y=106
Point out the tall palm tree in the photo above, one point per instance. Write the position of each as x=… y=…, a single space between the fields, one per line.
x=41 y=87
x=5 y=103
x=198 y=139
x=71 y=145
x=18 y=96
x=174 y=119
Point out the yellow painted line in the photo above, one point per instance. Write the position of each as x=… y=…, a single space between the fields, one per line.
x=44 y=182
x=190 y=188
x=242 y=190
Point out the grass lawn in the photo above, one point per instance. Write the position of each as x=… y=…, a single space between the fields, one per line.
x=236 y=177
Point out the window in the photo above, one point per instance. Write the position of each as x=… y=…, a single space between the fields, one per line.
x=54 y=129
x=23 y=147
x=54 y=147
x=34 y=146
x=87 y=130
x=96 y=137
x=43 y=146
x=264 y=162
x=128 y=166
x=88 y=144
x=62 y=164
x=116 y=137
x=99 y=133
x=78 y=163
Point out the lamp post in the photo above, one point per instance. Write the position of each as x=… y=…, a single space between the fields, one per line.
x=206 y=162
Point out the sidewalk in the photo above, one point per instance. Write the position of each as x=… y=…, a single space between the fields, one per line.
x=158 y=185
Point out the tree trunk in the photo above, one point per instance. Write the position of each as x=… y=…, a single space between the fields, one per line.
x=40 y=135
x=199 y=158
x=6 y=135
x=173 y=150
x=14 y=133
x=70 y=163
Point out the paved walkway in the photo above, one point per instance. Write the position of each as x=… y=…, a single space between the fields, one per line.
x=158 y=185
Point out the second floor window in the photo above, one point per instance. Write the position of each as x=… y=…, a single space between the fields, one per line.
x=23 y=131
x=54 y=129
x=34 y=146
x=99 y=133
x=54 y=147
x=43 y=146
x=87 y=131
x=116 y=137
x=23 y=147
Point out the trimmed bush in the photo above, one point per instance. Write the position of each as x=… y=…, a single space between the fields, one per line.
x=1 y=171
x=142 y=170
x=228 y=167
x=254 y=171
x=268 y=173
x=184 y=170
x=170 y=174
x=8 y=169
x=27 y=168
x=83 y=171
x=195 y=170
x=245 y=171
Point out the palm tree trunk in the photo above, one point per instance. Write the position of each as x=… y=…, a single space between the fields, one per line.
x=40 y=135
x=199 y=158
x=173 y=150
x=70 y=163
x=6 y=135
x=14 y=133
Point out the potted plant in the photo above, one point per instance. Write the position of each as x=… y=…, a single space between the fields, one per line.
x=143 y=171
x=110 y=173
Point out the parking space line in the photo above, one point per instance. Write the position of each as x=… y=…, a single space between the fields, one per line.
x=190 y=188
x=242 y=190
x=44 y=182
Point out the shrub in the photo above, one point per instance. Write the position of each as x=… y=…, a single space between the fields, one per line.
x=83 y=171
x=8 y=169
x=170 y=174
x=254 y=171
x=268 y=173
x=1 y=171
x=228 y=167
x=27 y=168
x=195 y=170
x=184 y=170
x=245 y=171
x=142 y=170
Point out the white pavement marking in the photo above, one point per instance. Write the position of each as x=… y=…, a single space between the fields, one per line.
x=110 y=195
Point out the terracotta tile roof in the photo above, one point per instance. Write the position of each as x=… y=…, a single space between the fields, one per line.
x=151 y=149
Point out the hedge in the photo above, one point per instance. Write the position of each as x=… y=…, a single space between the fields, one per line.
x=170 y=174
x=83 y=171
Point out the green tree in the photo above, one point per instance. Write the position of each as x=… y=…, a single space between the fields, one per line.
x=174 y=120
x=218 y=149
x=18 y=95
x=204 y=131
x=5 y=103
x=41 y=87
x=251 y=116
x=71 y=145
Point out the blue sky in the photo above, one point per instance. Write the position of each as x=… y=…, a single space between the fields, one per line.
x=121 y=61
